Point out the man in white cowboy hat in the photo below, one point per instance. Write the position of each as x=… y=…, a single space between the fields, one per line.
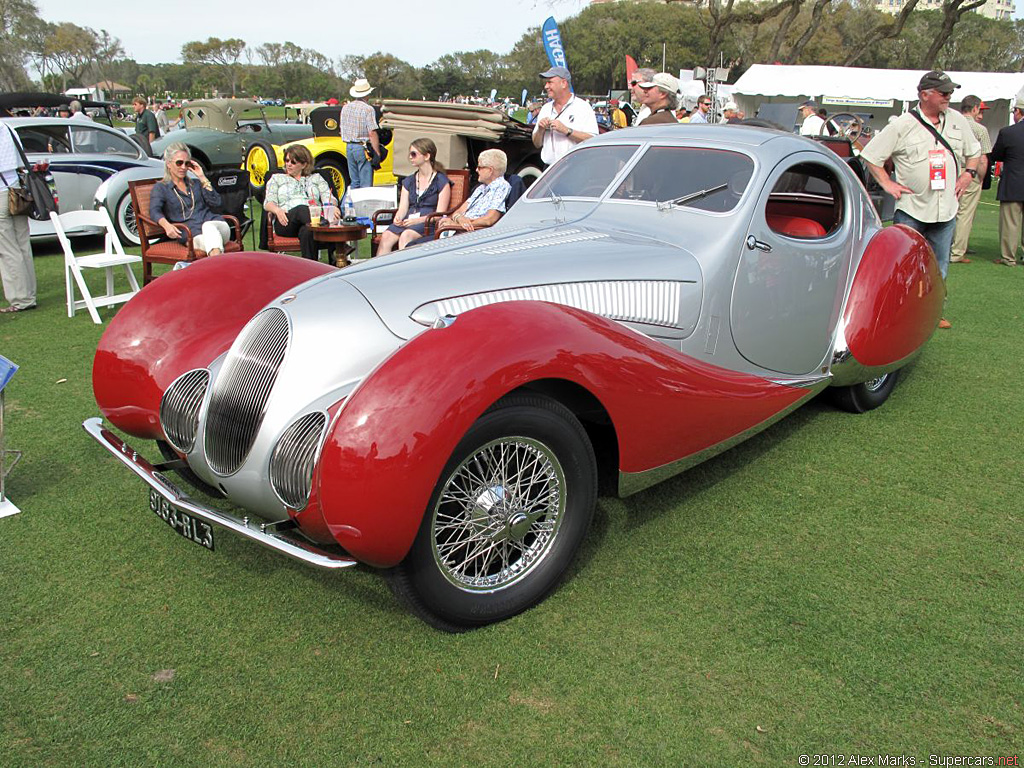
x=359 y=126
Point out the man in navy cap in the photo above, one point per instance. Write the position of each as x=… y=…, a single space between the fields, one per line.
x=565 y=120
x=936 y=158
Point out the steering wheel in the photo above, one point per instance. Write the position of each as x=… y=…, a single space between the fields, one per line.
x=850 y=126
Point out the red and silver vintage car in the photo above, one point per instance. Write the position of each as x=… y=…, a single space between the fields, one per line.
x=446 y=413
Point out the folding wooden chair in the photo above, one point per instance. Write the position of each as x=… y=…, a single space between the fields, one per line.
x=382 y=218
x=113 y=255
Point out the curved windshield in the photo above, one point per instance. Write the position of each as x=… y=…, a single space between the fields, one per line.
x=584 y=173
x=690 y=177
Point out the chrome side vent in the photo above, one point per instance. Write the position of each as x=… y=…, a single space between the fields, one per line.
x=242 y=389
x=291 y=464
x=179 y=408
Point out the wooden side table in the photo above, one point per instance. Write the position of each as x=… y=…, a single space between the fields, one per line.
x=339 y=233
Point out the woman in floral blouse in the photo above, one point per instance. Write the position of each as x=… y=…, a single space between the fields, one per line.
x=290 y=194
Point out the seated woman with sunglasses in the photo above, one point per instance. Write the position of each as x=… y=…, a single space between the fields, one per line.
x=290 y=194
x=180 y=203
x=423 y=193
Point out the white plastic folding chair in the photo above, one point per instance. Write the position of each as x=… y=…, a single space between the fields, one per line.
x=113 y=255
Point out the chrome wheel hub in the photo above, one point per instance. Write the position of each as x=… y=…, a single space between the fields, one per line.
x=498 y=514
x=876 y=384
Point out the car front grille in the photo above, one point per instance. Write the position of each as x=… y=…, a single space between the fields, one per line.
x=242 y=389
x=291 y=465
x=179 y=408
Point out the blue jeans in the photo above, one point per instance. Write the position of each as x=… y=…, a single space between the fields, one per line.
x=939 y=235
x=360 y=172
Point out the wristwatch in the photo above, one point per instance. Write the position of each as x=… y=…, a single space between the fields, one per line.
x=974 y=173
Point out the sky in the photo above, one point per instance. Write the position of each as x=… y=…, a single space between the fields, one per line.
x=415 y=31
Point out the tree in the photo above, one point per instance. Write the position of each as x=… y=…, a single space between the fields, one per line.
x=222 y=54
x=71 y=49
x=952 y=12
x=19 y=19
x=887 y=27
x=720 y=17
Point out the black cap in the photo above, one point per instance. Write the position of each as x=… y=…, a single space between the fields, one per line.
x=809 y=104
x=937 y=80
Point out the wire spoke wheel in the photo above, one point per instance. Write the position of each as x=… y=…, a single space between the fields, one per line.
x=506 y=518
x=498 y=514
x=258 y=165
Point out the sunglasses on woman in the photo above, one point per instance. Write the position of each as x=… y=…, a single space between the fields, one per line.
x=180 y=163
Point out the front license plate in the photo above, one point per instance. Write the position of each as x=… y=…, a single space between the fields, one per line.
x=183 y=523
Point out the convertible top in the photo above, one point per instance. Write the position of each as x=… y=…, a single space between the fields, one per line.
x=218 y=114
x=26 y=99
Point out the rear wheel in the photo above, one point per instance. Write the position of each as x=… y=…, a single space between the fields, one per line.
x=124 y=221
x=260 y=161
x=529 y=174
x=866 y=396
x=506 y=519
x=336 y=176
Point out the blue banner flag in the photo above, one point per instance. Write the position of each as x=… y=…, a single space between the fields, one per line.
x=494 y=92
x=523 y=102
x=553 y=43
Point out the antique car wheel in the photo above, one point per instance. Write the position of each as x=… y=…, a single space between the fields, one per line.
x=850 y=126
x=124 y=221
x=529 y=174
x=260 y=161
x=506 y=518
x=331 y=170
x=866 y=396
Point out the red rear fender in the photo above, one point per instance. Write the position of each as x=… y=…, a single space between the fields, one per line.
x=896 y=298
x=183 y=320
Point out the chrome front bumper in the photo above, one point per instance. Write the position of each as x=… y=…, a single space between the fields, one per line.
x=260 y=533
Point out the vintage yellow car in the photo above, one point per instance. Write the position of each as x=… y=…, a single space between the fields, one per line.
x=329 y=154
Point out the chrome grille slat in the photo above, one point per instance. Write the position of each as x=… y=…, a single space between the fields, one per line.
x=242 y=389
x=179 y=408
x=291 y=464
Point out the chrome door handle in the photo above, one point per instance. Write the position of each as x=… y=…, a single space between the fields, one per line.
x=753 y=242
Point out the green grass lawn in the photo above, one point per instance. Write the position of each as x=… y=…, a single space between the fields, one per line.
x=838 y=584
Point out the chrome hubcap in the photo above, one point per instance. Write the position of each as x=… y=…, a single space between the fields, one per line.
x=876 y=384
x=498 y=514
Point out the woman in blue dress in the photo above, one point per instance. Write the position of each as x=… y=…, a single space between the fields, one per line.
x=424 y=192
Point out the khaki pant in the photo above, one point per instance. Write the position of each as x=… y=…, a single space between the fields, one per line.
x=965 y=219
x=16 y=266
x=1010 y=231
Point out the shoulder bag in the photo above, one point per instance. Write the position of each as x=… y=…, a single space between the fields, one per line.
x=37 y=191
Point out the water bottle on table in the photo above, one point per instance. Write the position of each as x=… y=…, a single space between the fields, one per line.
x=348 y=209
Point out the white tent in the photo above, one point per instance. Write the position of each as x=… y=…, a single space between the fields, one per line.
x=880 y=92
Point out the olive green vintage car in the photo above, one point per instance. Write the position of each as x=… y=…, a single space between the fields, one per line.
x=219 y=132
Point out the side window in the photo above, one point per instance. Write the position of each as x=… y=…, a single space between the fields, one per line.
x=806 y=202
x=89 y=139
x=45 y=139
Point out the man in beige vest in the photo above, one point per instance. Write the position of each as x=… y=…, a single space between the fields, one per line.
x=971 y=108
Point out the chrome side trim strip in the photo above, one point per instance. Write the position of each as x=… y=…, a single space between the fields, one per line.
x=306 y=552
x=652 y=302
x=632 y=482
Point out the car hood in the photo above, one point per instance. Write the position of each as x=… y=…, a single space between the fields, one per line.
x=651 y=284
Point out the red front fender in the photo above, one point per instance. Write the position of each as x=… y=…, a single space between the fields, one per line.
x=389 y=444
x=183 y=320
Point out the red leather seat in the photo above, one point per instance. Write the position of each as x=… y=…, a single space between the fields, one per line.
x=795 y=226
